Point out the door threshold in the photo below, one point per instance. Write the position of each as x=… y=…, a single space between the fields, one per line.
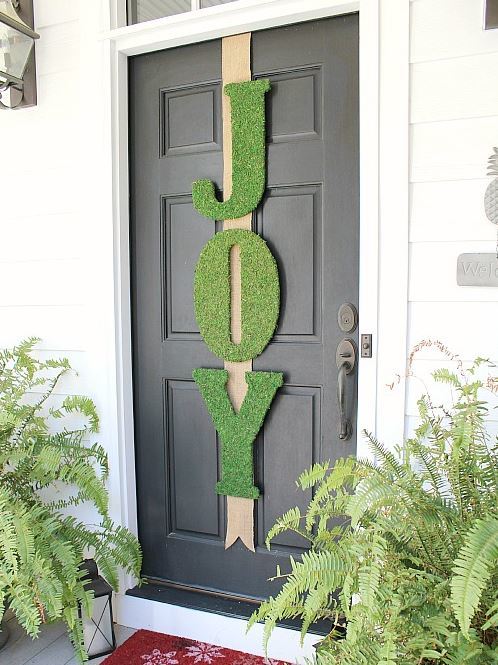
x=214 y=604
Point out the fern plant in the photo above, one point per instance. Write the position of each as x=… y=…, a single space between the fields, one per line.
x=45 y=471
x=403 y=555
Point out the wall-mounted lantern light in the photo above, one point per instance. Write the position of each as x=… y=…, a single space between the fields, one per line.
x=17 y=71
x=490 y=14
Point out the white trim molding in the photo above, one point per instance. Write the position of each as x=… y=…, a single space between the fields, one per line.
x=369 y=217
x=384 y=150
x=225 y=631
x=393 y=193
x=221 y=21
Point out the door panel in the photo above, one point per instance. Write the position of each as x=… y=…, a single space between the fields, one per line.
x=291 y=218
x=293 y=425
x=309 y=218
x=193 y=504
x=185 y=233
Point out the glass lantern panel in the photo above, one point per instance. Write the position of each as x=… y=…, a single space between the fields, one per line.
x=148 y=10
x=14 y=51
x=98 y=629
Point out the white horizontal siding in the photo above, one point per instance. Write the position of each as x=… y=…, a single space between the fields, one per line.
x=42 y=282
x=44 y=254
x=449 y=211
x=441 y=393
x=51 y=236
x=462 y=328
x=454 y=126
x=442 y=29
x=454 y=89
x=55 y=12
x=49 y=91
x=62 y=328
x=453 y=149
x=44 y=136
x=58 y=48
x=55 y=265
x=412 y=421
x=32 y=194
x=433 y=274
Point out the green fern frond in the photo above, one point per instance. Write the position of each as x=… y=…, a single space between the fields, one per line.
x=25 y=537
x=492 y=617
x=82 y=405
x=385 y=458
x=369 y=572
x=291 y=520
x=444 y=375
x=473 y=568
x=370 y=494
x=311 y=477
x=315 y=605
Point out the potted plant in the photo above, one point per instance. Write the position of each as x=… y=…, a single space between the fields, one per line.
x=404 y=552
x=46 y=470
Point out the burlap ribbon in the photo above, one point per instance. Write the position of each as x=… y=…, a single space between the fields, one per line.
x=236 y=67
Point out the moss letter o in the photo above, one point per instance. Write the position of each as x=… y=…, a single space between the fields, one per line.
x=260 y=299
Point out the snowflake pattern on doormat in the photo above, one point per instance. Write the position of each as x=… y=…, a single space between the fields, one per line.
x=148 y=648
x=157 y=657
x=204 y=653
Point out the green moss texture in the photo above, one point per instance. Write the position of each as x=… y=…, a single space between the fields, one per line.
x=237 y=431
x=260 y=295
x=247 y=102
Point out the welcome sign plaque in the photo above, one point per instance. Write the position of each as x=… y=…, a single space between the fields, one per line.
x=477 y=270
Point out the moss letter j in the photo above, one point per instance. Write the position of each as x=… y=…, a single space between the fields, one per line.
x=247 y=102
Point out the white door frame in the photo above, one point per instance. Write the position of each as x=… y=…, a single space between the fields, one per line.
x=384 y=154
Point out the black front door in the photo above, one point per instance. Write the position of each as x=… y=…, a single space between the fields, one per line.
x=309 y=218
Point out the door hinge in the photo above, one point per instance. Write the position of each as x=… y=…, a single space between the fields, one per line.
x=366 y=346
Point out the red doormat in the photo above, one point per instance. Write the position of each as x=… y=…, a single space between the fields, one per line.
x=148 y=648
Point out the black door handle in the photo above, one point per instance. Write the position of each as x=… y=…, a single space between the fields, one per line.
x=344 y=424
x=345 y=359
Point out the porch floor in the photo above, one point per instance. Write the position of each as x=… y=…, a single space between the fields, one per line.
x=51 y=648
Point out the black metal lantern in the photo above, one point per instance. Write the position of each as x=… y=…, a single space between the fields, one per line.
x=17 y=38
x=98 y=630
x=490 y=14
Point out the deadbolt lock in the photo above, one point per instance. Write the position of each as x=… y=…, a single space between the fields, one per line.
x=347 y=317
